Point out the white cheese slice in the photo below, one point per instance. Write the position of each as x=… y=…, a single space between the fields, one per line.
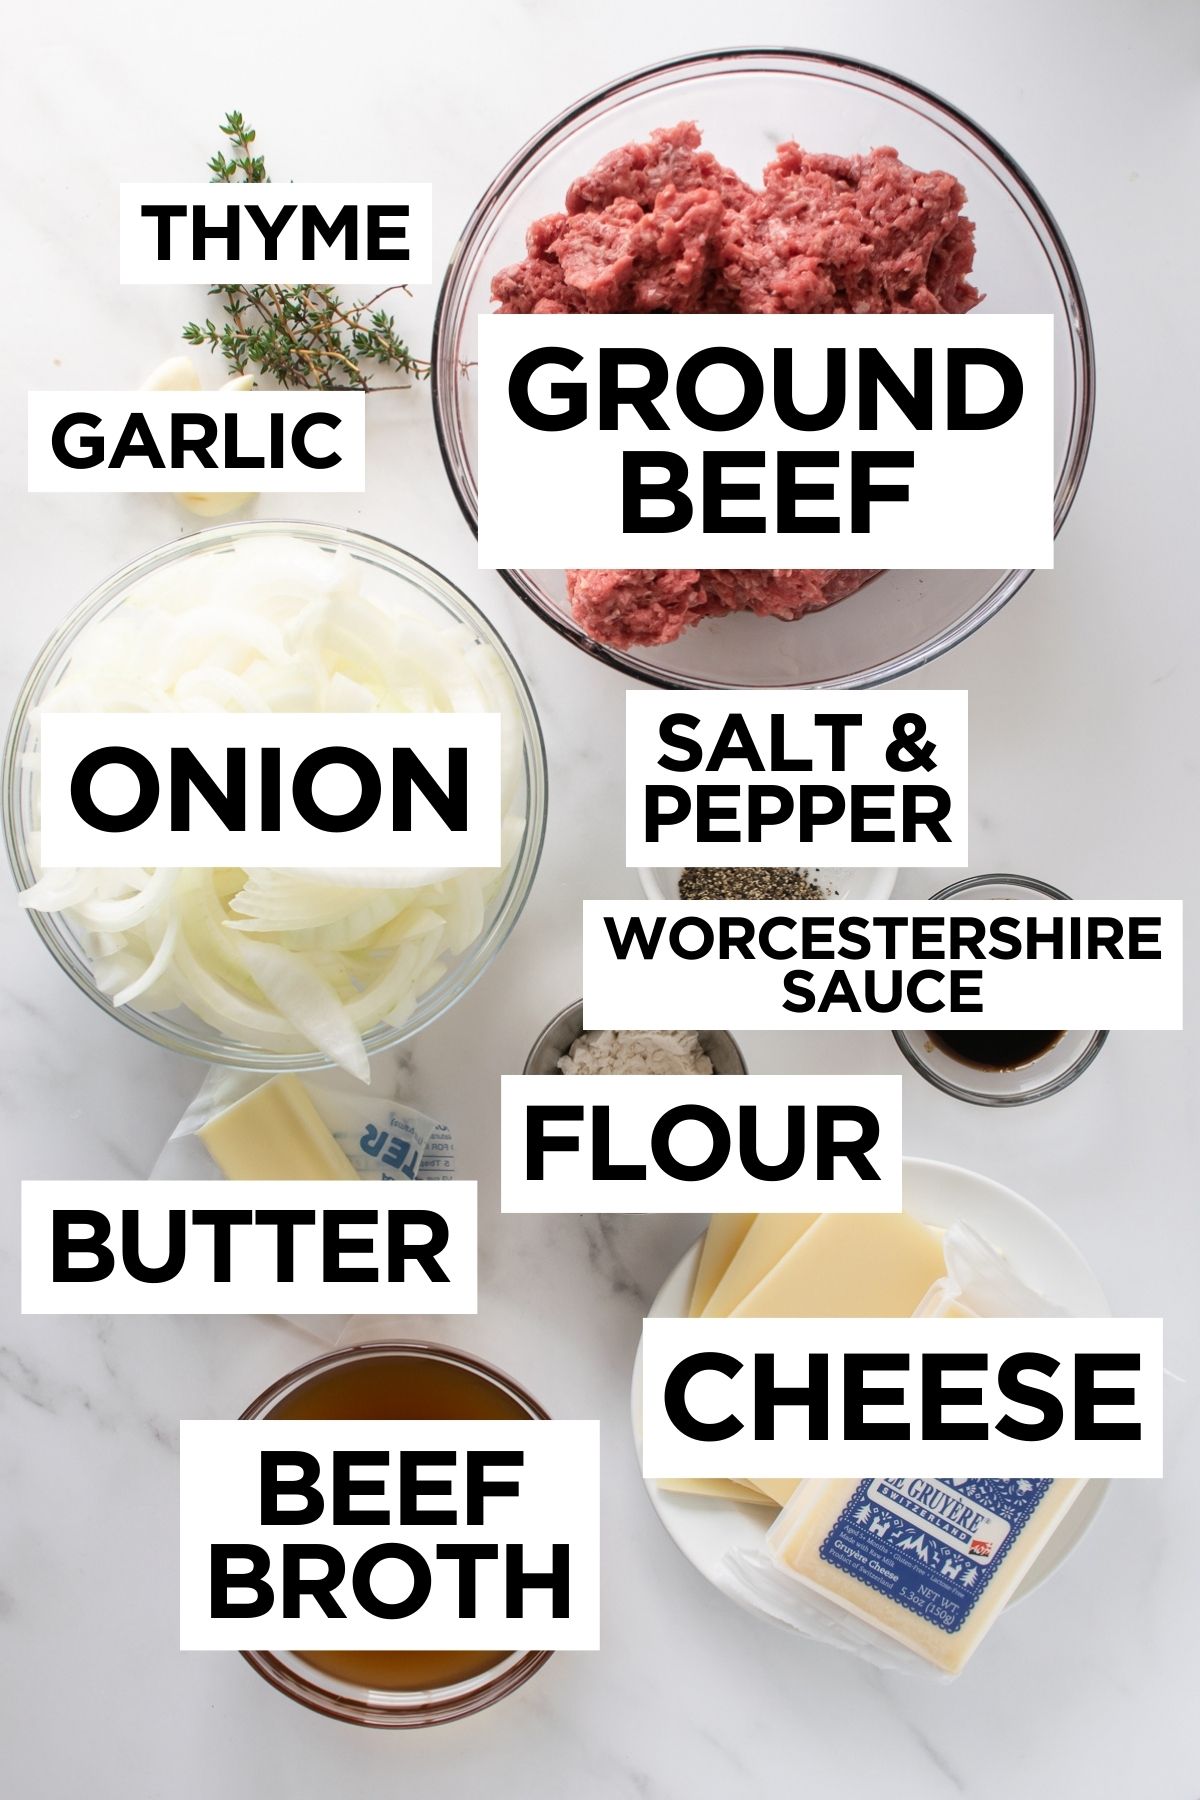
x=852 y=1266
x=767 y=1241
x=726 y=1232
x=777 y=1491
x=717 y=1489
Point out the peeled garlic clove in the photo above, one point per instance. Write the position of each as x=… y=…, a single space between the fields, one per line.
x=215 y=506
x=176 y=374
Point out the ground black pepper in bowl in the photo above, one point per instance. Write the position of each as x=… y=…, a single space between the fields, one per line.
x=751 y=884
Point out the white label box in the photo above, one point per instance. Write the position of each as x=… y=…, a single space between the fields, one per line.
x=117 y=441
x=845 y=965
x=291 y=233
x=285 y=790
x=512 y=1512
x=765 y=1398
x=710 y=470
x=166 y=1247
x=711 y=779
x=695 y=1144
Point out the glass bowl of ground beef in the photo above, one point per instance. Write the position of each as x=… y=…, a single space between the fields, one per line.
x=664 y=192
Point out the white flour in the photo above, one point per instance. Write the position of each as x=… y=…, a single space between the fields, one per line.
x=636 y=1053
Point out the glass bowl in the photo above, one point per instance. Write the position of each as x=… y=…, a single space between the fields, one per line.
x=746 y=101
x=392 y=1707
x=386 y=570
x=1055 y=1069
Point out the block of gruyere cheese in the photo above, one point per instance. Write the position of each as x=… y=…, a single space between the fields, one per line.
x=851 y=1266
x=929 y=1562
x=276 y=1134
x=725 y=1233
x=768 y=1240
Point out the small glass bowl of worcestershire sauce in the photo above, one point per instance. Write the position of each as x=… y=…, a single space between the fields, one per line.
x=396 y=1687
x=1001 y=1068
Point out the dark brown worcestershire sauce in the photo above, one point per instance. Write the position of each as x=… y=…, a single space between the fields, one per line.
x=998 y=1050
x=408 y=1386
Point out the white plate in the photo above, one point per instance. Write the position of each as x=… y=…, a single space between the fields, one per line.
x=843 y=884
x=937 y=1193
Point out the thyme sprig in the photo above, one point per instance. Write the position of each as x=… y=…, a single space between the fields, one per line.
x=300 y=336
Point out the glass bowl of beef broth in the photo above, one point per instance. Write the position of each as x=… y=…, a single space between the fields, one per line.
x=745 y=103
x=1001 y=1068
x=396 y=1688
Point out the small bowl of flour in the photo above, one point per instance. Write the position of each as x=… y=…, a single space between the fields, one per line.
x=565 y=1048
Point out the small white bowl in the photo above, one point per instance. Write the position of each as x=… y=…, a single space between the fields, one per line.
x=842 y=884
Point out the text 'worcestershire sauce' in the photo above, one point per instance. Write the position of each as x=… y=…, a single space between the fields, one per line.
x=998 y=1050
x=415 y=1385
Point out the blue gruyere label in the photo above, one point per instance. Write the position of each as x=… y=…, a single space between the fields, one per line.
x=931 y=1546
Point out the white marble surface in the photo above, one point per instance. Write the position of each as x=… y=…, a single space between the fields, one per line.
x=1083 y=771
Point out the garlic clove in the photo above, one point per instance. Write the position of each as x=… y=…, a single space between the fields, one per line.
x=215 y=506
x=177 y=374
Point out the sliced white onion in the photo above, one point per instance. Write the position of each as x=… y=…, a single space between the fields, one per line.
x=308 y=1003
x=59 y=890
x=133 y=909
x=280 y=958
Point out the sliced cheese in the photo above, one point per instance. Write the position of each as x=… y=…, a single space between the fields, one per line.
x=937 y=1305
x=725 y=1232
x=929 y=1562
x=275 y=1134
x=767 y=1241
x=778 y=1492
x=716 y=1489
x=853 y=1266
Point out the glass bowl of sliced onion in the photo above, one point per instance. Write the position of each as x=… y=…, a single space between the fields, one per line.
x=275 y=969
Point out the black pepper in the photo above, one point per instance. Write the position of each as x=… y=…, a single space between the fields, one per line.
x=751 y=884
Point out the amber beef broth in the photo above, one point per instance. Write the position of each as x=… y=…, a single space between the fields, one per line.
x=664 y=227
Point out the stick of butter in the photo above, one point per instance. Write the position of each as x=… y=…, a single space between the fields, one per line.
x=929 y=1562
x=851 y=1266
x=766 y=1243
x=275 y=1134
x=725 y=1232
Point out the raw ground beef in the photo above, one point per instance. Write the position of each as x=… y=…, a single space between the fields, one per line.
x=664 y=227
x=630 y=607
